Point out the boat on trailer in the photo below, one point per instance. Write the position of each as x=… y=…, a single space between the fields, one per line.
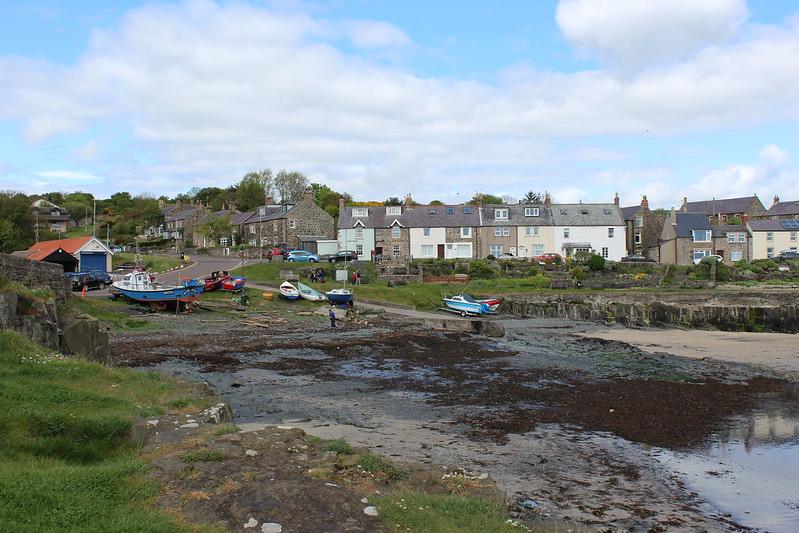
x=493 y=303
x=307 y=293
x=289 y=291
x=140 y=287
x=464 y=305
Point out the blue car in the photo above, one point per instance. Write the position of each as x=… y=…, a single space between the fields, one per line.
x=302 y=256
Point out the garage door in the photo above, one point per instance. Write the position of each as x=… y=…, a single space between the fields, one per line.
x=92 y=261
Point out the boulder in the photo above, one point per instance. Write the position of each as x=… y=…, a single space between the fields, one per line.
x=84 y=337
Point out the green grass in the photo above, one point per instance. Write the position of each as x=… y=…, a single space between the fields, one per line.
x=67 y=462
x=340 y=446
x=79 y=231
x=203 y=455
x=39 y=293
x=418 y=511
x=225 y=429
x=111 y=312
x=377 y=464
x=154 y=263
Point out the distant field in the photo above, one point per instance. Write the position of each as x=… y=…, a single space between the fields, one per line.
x=154 y=263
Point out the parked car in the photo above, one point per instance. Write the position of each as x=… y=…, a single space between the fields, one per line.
x=711 y=257
x=787 y=255
x=116 y=248
x=637 y=259
x=344 y=255
x=300 y=256
x=105 y=277
x=79 y=279
x=548 y=259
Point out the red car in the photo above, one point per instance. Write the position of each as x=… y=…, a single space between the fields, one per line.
x=548 y=259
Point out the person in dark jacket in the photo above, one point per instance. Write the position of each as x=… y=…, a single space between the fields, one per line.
x=332 y=315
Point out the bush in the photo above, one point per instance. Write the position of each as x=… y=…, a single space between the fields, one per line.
x=596 y=263
x=578 y=273
x=340 y=446
x=491 y=257
x=374 y=464
x=480 y=269
x=202 y=250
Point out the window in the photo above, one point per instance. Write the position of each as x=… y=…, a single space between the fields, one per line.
x=637 y=238
x=223 y=242
x=583 y=211
x=433 y=211
x=394 y=210
x=699 y=254
x=531 y=211
x=701 y=235
x=606 y=211
x=793 y=236
x=466 y=232
x=742 y=237
x=426 y=232
x=770 y=236
x=528 y=230
x=769 y=252
x=736 y=256
x=463 y=250
x=501 y=214
x=395 y=232
x=497 y=231
x=538 y=249
x=428 y=250
x=467 y=210
x=359 y=249
x=360 y=211
x=605 y=252
x=450 y=210
x=359 y=233
x=496 y=250
x=261 y=211
x=563 y=212
x=506 y=231
x=639 y=221
x=252 y=229
x=611 y=232
x=396 y=249
x=732 y=237
x=565 y=233
x=292 y=224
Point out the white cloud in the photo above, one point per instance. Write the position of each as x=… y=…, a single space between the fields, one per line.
x=372 y=34
x=71 y=176
x=636 y=32
x=211 y=91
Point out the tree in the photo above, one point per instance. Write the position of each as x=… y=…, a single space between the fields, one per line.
x=392 y=201
x=327 y=198
x=532 y=198
x=16 y=222
x=250 y=192
x=436 y=202
x=290 y=186
x=485 y=199
x=214 y=228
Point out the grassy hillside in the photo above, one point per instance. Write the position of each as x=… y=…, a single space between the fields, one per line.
x=67 y=462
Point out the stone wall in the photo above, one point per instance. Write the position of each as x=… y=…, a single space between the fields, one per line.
x=35 y=274
x=36 y=320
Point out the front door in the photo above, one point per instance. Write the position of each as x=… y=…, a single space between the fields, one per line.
x=378 y=250
x=441 y=251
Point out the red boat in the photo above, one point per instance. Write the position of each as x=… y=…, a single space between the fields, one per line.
x=233 y=284
x=215 y=280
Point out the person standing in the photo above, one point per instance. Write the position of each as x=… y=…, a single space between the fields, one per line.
x=332 y=315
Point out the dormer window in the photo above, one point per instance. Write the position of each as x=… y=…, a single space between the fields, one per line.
x=531 y=211
x=394 y=210
x=564 y=212
x=450 y=210
x=501 y=214
x=432 y=211
x=360 y=212
x=607 y=211
x=583 y=211
x=701 y=235
x=261 y=211
x=467 y=210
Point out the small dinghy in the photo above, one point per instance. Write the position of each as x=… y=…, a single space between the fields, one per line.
x=307 y=293
x=233 y=284
x=339 y=296
x=289 y=291
x=464 y=305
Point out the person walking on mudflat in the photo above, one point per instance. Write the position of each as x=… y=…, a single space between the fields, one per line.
x=332 y=315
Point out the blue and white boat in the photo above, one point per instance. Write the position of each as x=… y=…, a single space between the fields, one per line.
x=139 y=286
x=465 y=305
x=307 y=293
x=289 y=291
x=339 y=296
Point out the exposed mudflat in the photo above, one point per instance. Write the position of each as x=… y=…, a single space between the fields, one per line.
x=572 y=427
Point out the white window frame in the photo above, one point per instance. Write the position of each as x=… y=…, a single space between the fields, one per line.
x=770 y=252
x=706 y=232
x=426 y=232
x=736 y=255
x=360 y=211
x=428 y=250
x=741 y=236
x=359 y=249
x=639 y=221
x=638 y=237
x=223 y=242
x=292 y=224
x=497 y=231
x=611 y=232
x=732 y=237
x=566 y=233
x=769 y=235
x=395 y=232
x=495 y=250
x=506 y=231
x=531 y=212
x=697 y=254
x=793 y=236
x=359 y=233
x=466 y=232
x=538 y=249
x=394 y=210
x=500 y=214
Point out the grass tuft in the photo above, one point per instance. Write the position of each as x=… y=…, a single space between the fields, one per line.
x=225 y=429
x=375 y=464
x=203 y=455
x=340 y=446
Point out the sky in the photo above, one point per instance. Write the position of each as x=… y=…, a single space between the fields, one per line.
x=378 y=98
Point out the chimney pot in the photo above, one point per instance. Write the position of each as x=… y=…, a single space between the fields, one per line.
x=408 y=200
x=308 y=196
x=615 y=199
x=341 y=205
x=776 y=200
x=547 y=200
x=644 y=203
x=684 y=200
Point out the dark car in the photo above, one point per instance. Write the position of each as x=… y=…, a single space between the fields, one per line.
x=105 y=277
x=89 y=280
x=787 y=255
x=346 y=255
x=637 y=259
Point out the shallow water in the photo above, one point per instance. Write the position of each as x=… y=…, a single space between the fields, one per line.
x=749 y=471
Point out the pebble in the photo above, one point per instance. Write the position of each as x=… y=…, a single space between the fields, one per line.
x=371 y=511
x=364 y=500
x=251 y=523
x=330 y=485
x=482 y=476
x=152 y=422
x=251 y=453
x=190 y=425
x=271 y=527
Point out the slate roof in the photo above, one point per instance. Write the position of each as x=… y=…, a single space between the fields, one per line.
x=516 y=216
x=237 y=219
x=690 y=221
x=628 y=213
x=767 y=225
x=586 y=215
x=215 y=214
x=720 y=205
x=272 y=212
x=417 y=216
x=784 y=208
x=182 y=214
x=722 y=230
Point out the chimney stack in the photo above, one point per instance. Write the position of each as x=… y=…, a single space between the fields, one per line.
x=269 y=199
x=307 y=197
x=547 y=200
x=231 y=205
x=408 y=200
x=178 y=205
x=645 y=203
x=479 y=198
x=673 y=216
x=616 y=199
x=776 y=200
x=684 y=200
x=341 y=205
x=744 y=218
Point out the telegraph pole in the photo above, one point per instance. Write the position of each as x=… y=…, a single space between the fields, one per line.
x=36 y=226
x=94 y=216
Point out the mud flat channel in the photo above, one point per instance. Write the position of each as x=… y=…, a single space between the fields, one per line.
x=591 y=430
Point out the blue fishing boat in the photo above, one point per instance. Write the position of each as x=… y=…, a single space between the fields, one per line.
x=339 y=296
x=139 y=286
x=465 y=305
